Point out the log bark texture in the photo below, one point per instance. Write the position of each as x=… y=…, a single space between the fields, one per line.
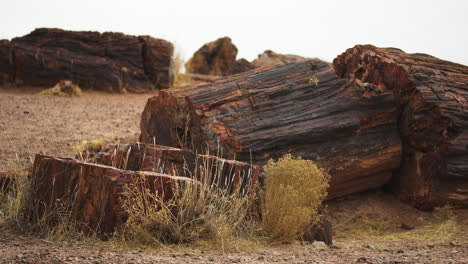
x=109 y=61
x=347 y=127
x=227 y=174
x=432 y=99
x=90 y=192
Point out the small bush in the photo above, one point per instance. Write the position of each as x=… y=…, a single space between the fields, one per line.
x=294 y=191
x=89 y=146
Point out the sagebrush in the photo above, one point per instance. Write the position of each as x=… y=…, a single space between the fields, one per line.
x=294 y=191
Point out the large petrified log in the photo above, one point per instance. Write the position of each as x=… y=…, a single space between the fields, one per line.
x=227 y=174
x=347 y=127
x=432 y=99
x=217 y=58
x=108 y=61
x=90 y=192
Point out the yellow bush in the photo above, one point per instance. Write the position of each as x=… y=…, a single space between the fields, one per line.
x=294 y=191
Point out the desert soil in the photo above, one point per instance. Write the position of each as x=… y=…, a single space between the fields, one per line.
x=31 y=123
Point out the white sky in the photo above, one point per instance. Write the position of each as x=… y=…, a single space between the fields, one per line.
x=320 y=29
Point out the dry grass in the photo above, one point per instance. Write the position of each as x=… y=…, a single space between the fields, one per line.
x=56 y=91
x=85 y=147
x=201 y=212
x=442 y=227
x=294 y=191
x=177 y=64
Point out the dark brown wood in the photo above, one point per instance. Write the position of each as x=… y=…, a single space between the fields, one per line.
x=347 y=127
x=90 y=192
x=217 y=58
x=109 y=61
x=432 y=99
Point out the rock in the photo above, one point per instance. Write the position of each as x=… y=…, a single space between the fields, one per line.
x=319 y=244
x=270 y=58
x=217 y=58
x=371 y=247
x=346 y=127
x=108 y=61
x=90 y=191
x=432 y=99
x=400 y=251
x=321 y=232
x=407 y=226
x=63 y=88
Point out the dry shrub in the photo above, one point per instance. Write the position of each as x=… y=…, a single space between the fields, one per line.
x=199 y=212
x=294 y=191
x=64 y=88
x=85 y=147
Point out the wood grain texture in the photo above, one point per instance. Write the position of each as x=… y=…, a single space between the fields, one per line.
x=432 y=99
x=108 y=61
x=303 y=108
x=91 y=192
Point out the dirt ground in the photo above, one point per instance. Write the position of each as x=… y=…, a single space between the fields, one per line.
x=367 y=226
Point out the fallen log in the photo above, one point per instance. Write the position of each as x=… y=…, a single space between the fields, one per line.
x=90 y=193
x=347 y=127
x=226 y=174
x=109 y=61
x=432 y=99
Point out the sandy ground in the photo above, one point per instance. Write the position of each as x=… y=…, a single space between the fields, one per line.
x=32 y=123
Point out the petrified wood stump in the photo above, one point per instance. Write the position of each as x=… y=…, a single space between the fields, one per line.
x=173 y=161
x=432 y=99
x=347 y=127
x=91 y=192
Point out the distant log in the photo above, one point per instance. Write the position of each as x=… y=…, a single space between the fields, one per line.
x=90 y=192
x=109 y=61
x=432 y=99
x=217 y=58
x=347 y=127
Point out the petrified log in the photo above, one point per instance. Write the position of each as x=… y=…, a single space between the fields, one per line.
x=217 y=58
x=432 y=99
x=90 y=192
x=227 y=174
x=270 y=58
x=6 y=65
x=108 y=61
x=347 y=127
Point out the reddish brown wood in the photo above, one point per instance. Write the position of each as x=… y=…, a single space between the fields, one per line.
x=347 y=127
x=217 y=58
x=173 y=161
x=432 y=99
x=91 y=192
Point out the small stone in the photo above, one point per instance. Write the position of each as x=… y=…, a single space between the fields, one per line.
x=335 y=246
x=319 y=244
x=400 y=251
x=407 y=226
x=371 y=247
x=261 y=258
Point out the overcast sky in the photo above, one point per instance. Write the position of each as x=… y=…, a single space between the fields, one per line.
x=320 y=29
